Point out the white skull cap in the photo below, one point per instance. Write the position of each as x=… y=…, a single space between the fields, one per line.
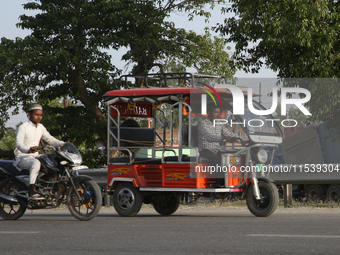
x=35 y=107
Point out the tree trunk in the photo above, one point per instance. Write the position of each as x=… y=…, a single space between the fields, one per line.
x=94 y=109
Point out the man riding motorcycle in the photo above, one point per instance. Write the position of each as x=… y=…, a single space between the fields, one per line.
x=28 y=136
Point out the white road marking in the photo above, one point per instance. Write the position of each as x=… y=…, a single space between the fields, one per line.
x=298 y=236
x=20 y=232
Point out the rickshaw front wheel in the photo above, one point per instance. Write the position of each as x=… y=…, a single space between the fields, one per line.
x=127 y=200
x=268 y=202
x=168 y=206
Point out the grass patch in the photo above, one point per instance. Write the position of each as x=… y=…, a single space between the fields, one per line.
x=219 y=203
x=309 y=204
x=202 y=203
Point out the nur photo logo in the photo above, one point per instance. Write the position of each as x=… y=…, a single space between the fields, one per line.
x=239 y=104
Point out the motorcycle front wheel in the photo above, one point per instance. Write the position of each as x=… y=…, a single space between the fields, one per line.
x=88 y=206
x=11 y=210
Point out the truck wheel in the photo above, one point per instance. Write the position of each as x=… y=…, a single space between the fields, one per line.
x=127 y=200
x=168 y=206
x=315 y=193
x=333 y=193
x=268 y=202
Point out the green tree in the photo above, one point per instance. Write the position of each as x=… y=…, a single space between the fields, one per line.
x=66 y=55
x=294 y=114
x=295 y=38
x=204 y=53
x=8 y=141
x=208 y=55
x=298 y=39
x=62 y=56
x=154 y=41
x=70 y=123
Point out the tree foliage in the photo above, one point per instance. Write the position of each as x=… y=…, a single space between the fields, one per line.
x=61 y=57
x=66 y=55
x=208 y=55
x=154 y=41
x=298 y=39
x=294 y=115
x=8 y=141
x=295 y=38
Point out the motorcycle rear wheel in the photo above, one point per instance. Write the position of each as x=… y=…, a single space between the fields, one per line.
x=91 y=200
x=10 y=210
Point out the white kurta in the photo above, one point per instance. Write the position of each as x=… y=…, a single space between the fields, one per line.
x=27 y=136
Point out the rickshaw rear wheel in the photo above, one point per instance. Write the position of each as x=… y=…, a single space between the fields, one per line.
x=168 y=206
x=127 y=200
x=268 y=202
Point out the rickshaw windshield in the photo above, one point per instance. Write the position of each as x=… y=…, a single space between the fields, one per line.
x=263 y=125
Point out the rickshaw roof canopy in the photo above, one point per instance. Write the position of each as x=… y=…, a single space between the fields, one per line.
x=157 y=94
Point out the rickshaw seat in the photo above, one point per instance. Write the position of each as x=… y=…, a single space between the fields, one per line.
x=194 y=142
x=175 y=159
x=186 y=159
x=204 y=160
x=134 y=137
x=194 y=136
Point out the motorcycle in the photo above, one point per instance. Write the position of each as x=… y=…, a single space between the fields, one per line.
x=58 y=183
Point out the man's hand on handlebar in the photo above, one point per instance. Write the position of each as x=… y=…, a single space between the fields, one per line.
x=33 y=149
x=245 y=143
x=240 y=140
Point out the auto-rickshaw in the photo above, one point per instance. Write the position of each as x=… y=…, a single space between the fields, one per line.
x=153 y=154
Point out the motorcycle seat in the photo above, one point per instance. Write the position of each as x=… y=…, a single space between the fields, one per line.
x=8 y=166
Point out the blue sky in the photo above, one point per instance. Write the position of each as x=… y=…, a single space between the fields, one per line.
x=12 y=9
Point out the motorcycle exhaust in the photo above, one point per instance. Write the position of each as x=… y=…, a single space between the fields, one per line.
x=9 y=198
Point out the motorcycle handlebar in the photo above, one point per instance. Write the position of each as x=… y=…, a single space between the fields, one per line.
x=47 y=147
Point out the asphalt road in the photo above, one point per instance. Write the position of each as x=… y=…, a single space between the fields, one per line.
x=202 y=230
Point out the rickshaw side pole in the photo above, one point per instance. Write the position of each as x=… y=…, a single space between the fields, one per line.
x=154 y=135
x=189 y=124
x=256 y=190
x=108 y=151
x=171 y=127
x=180 y=124
x=109 y=133
x=171 y=122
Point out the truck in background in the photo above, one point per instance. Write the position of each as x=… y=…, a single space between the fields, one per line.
x=312 y=164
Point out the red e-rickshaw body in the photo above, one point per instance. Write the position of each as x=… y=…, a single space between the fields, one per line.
x=171 y=171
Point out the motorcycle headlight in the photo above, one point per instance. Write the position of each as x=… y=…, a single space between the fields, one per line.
x=76 y=158
x=262 y=156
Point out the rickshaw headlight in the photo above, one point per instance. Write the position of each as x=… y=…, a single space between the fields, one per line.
x=230 y=160
x=262 y=156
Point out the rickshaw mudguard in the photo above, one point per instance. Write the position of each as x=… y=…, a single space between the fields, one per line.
x=265 y=179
